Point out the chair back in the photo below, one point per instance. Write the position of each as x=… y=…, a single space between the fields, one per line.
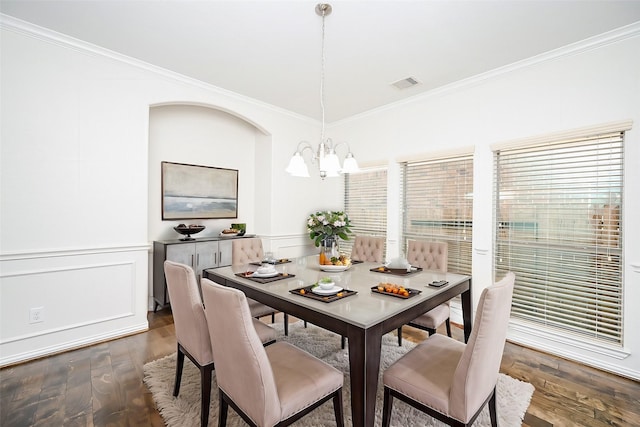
x=246 y=250
x=428 y=255
x=243 y=370
x=477 y=371
x=188 y=313
x=368 y=249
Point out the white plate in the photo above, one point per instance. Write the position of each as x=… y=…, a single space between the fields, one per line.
x=264 y=275
x=331 y=291
x=335 y=267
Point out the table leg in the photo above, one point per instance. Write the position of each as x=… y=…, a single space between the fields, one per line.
x=364 y=366
x=467 y=312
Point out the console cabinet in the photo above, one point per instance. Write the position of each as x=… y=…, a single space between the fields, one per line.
x=200 y=254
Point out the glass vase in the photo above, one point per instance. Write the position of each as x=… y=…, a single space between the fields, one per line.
x=329 y=249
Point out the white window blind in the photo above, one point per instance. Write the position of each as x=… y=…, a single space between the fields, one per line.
x=558 y=227
x=437 y=201
x=365 y=202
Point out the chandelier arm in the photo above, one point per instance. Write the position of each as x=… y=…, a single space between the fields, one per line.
x=335 y=147
x=305 y=145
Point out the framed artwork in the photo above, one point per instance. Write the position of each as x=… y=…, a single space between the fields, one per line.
x=198 y=192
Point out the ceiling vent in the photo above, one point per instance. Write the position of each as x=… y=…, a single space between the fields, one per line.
x=405 y=83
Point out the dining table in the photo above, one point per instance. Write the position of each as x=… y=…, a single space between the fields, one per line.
x=361 y=312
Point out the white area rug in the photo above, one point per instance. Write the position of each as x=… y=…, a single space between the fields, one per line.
x=512 y=401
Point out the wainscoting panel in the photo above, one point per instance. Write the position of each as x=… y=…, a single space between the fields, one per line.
x=50 y=302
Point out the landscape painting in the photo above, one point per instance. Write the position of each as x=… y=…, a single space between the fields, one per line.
x=198 y=192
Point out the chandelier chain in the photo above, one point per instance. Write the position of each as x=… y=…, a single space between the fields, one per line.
x=322 y=78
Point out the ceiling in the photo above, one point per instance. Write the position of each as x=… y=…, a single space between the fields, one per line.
x=271 y=50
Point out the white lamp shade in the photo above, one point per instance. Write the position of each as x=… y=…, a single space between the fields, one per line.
x=350 y=164
x=297 y=166
x=332 y=164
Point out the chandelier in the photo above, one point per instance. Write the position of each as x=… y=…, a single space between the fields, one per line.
x=325 y=154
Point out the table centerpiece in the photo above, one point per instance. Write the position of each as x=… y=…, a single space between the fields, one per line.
x=325 y=229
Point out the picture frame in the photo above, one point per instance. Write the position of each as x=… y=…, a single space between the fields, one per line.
x=198 y=192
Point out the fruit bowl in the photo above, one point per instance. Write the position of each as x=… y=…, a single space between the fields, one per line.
x=188 y=230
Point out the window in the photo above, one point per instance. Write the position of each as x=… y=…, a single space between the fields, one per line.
x=558 y=227
x=365 y=201
x=437 y=200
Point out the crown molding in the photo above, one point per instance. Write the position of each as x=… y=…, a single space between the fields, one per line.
x=591 y=43
x=44 y=34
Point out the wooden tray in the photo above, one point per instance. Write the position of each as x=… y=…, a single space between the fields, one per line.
x=412 y=292
x=280 y=276
x=324 y=298
x=396 y=271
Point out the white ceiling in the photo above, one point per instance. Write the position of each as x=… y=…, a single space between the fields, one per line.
x=270 y=50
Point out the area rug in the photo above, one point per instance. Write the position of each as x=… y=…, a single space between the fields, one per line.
x=512 y=400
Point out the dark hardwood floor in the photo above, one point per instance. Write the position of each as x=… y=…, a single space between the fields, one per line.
x=102 y=385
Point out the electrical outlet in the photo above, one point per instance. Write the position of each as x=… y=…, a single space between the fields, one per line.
x=36 y=315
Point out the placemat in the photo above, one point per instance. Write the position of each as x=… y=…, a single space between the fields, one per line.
x=280 y=276
x=324 y=298
x=396 y=271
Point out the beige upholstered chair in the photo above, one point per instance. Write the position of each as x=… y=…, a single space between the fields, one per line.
x=449 y=380
x=192 y=332
x=368 y=249
x=429 y=256
x=266 y=386
x=245 y=251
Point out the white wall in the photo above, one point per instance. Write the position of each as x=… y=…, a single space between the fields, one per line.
x=78 y=209
x=573 y=89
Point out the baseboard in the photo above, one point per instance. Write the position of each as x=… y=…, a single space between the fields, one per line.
x=72 y=345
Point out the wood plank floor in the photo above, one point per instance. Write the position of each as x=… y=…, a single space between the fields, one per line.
x=102 y=385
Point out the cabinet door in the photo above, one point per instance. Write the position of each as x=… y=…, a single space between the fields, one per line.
x=225 y=253
x=184 y=253
x=206 y=257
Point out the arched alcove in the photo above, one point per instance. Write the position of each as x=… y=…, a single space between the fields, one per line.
x=202 y=135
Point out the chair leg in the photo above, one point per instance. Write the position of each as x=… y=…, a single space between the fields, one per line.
x=448 y=325
x=343 y=342
x=305 y=323
x=224 y=409
x=386 y=408
x=492 y=410
x=337 y=408
x=205 y=390
x=286 y=324
x=179 y=365
x=273 y=317
x=400 y=336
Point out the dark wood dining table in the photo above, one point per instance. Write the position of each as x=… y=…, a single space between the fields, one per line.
x=363 y=317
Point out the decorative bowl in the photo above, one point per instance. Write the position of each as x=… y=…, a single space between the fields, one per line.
x=266 y=269
x=188 y=230
x=326 y=283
